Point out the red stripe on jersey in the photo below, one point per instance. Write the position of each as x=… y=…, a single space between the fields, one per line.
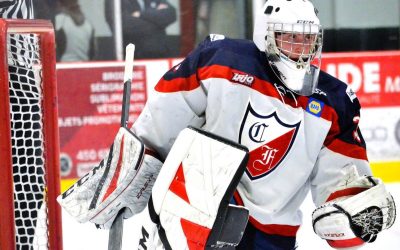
x=178 y=186
x=276 y=229
x=224 y=72
x=268 y=89
x=114 y=181
x=177 y=84
x=345 y=243
x=329 y=114
x=334 y=144
x=346 y=192
x=262 y=86
x=238 y=199
x=283 y=230
x=348 y=149
x=196 y=235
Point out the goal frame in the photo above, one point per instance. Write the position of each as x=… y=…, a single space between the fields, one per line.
x=44 y=29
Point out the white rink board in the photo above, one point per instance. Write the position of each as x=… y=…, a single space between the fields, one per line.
x=86 y=237
x=380 y=127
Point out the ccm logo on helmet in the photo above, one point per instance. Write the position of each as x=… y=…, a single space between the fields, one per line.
x=304 y=21
x=243 y=79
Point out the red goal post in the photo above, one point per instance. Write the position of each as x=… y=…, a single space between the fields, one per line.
x=30 y=217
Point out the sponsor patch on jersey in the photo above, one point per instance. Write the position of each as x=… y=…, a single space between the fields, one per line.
x=268 y=139
x=320 y=92
x=216 y=37
x=350 y=93
x=315 y=107
x=244 y=79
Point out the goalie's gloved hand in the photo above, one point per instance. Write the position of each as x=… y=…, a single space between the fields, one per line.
x=123 y=180
x=356 y=212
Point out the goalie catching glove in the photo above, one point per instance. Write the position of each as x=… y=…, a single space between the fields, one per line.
x=123 y=180
x=355 y=213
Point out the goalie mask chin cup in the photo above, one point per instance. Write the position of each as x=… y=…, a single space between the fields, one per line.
x=290 y=34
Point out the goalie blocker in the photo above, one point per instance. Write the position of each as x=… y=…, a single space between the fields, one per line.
x=356 y=212
x=123 y=180
x=189 y=207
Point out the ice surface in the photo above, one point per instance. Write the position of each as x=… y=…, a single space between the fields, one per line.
x=86 y=237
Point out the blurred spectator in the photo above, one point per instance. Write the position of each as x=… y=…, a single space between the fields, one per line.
x=144 y=23
x=45 y=9
x=74 y=34
x=220 y=17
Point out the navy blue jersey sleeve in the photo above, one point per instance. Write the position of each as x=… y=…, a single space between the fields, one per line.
x=345 y=136
x=344 y=144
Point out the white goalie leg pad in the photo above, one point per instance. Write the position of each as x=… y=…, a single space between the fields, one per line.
x=190 y=199
x=351 y=220
x=226 y=234
x=148 y=233
x=122 y=180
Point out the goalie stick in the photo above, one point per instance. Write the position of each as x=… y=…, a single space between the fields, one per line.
x=116 y=230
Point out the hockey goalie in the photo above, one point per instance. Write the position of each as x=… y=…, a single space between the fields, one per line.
x=299 y=124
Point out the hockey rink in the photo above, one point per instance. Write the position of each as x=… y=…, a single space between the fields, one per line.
x=86 y=237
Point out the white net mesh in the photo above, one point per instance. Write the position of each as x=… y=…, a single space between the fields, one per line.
x=25 y=89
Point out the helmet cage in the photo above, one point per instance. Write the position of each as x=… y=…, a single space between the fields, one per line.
x=292 y=50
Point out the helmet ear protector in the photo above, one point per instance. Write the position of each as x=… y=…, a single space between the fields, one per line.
x=290 y=34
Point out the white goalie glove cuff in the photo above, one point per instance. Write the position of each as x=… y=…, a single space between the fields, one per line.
x=124 y=179
x=352 y=220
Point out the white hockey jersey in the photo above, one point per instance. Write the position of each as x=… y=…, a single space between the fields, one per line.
x=296 y=143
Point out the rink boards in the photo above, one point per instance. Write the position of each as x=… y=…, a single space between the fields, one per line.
x=87 y=132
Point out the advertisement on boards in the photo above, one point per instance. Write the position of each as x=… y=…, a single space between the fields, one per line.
x=90 y=104
x=375 y=78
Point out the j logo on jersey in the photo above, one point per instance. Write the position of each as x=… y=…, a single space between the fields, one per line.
x=268 y=139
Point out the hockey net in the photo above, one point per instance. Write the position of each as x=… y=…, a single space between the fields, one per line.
x=29 y=149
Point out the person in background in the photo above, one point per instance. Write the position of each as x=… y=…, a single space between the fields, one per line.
x=220 y=17
x=75 y=36
x=144 y=23
x=47 y=9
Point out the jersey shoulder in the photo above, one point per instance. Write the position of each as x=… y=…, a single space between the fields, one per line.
x=217 y=50
x=237 y=54
x=221 y=43
x=336 y=91
x=339 y=96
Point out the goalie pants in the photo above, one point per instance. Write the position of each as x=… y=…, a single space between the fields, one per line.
x=254 y=239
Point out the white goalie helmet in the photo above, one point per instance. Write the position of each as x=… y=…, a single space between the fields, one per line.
x=290 y=33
